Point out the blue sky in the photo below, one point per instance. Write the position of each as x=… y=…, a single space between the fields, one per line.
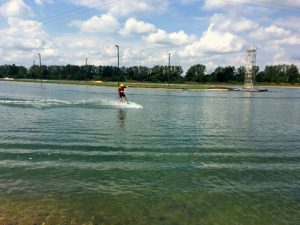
x=210 y=32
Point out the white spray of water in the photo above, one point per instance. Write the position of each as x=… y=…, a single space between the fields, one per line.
x=37 y=103
x=118 y=104
x=44 y=103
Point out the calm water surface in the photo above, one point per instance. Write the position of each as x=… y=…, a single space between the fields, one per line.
x=73 y=155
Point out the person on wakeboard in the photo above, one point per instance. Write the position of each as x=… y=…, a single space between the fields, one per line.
x=122 y=95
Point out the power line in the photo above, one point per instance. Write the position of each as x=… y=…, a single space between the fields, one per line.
x=65 y=13
x=286 y=7
x=265 y=6
x=68 y=13
x=78 y=10
x=279 y=4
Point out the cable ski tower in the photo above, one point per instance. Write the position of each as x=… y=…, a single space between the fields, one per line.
x=250 y=68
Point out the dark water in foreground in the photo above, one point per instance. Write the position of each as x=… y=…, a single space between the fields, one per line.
x=73 y=155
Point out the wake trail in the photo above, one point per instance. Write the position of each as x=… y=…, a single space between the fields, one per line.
x=50 y=103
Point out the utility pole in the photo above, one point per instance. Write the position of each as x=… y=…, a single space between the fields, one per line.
x=169 y=67
x=33 y=64
x=118 y=64
x=86 y=70
x=40 y=59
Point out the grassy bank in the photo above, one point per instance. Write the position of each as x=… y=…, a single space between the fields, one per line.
x=189 y=86
x=130 y=84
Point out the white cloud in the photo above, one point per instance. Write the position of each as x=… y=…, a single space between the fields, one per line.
x=180 y=38
x=110 y=50
x=23 y=25
x=87 y=3
x=81 y=44
x=292 y=3
x=50 y=51
x=32 y=35
x=23 y=39
x=133 y=26
x=288 y=23
x=41 y=2
x=156 y=58
x=225 y=23
x=294 y=40
x=133 y=54
x=216 y=4
x=15 y=8
x=175 y=38
x=214 y=41
x=75 y=48
x=130 y=7
x=280 y=54
x=156 y=36
x=124 y=7
x=103 y=24
x=213 y=4
x=160 y=36
x=276 y=54
x=252 y=6
x=38 y=2
x=271 y=32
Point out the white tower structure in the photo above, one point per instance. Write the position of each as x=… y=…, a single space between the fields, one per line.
x=250 y=68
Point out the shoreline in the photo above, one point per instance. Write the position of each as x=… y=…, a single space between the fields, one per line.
x=164 y=86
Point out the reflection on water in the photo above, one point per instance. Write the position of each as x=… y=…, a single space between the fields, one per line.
x=122 y=118
x=247 y=109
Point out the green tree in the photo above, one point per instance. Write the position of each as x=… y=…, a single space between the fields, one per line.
x=260 y=76
x=22 y=72
x=34 y=72
x=158 y=74
x=240 y=74
x=2 y=71
x=176 y=74
x=229 y=73
x=219 y=72
x=196 y=73
x=272 y=73
x=13 y=70
x=293 y=74
x=275 y=73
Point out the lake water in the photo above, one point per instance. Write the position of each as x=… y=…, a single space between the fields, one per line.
x=73 y=155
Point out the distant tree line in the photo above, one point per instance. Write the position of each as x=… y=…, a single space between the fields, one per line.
x=173 y=74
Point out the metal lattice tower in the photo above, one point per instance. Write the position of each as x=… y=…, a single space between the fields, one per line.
x=250 y=68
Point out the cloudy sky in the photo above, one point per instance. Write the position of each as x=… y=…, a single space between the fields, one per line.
x=210 y=32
